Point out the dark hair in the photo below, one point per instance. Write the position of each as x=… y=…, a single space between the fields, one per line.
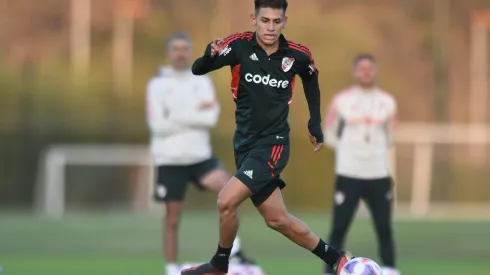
x=178 y=36
x=361 y=57
x=274 y=4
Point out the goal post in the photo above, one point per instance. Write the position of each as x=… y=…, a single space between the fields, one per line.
x=424 y=137
x=50 y=188
x=421 y=137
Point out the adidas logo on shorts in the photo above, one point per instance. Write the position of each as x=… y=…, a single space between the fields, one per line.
x=249 y=173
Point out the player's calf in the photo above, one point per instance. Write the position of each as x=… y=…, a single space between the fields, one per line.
x=228 y=218
x=293 y=229
x=276 y=216
x=229 y=199
x=298 y=232
x=278 y=223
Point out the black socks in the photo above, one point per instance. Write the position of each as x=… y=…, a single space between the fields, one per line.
x=221 y=258
x=327 y=253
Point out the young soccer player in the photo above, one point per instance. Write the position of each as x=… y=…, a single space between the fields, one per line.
x=181 y=110
x=359 y=126
x=263 y=66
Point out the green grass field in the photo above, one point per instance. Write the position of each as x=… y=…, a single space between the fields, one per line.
x=130 y=244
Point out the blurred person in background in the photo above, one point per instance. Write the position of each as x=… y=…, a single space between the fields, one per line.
x=181 y=109
x=264 y=65
x=359 y=126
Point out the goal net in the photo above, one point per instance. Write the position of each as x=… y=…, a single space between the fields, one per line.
x=441 y=172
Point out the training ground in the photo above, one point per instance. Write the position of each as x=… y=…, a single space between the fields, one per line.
x=119 y=244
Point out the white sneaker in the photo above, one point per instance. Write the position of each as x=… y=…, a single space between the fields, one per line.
x=389 y=271
x=172 y=269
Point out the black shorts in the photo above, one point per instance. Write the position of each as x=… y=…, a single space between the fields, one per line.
x=259 y=168
x=172 y=180
x=350 y=190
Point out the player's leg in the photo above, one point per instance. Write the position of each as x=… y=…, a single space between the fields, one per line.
x=379 y=197
x=211 y=175
x=267 y=162
x=170 y=189
x=277 y=218
x=346 y=199
x=170 y=235
x=229 y=199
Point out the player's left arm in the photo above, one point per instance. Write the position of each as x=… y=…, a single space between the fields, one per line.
x=391 y=123
x=309 y=77
x=206 y=114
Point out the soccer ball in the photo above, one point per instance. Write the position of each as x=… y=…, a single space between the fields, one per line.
x=361 y=266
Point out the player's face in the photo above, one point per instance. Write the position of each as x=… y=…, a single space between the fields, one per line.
x=268 y=24
x=365 y=72
x=179 y=54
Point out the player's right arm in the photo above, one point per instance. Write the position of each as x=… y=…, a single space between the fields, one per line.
x=218 y=53
x=156 y=114
x=332 y=123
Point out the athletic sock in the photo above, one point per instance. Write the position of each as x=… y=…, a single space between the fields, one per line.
x=236 y=246
x=327 y=253
x=221 y=258
x=172 y=269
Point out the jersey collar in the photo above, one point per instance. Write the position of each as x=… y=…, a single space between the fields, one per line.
x=283 y=43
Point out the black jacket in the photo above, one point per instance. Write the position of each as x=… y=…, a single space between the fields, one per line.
x=262 y=87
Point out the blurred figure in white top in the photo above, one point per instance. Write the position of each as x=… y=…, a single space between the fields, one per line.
x=359 y=127
x=181 y=109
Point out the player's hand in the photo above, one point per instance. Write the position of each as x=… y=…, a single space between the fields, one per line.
x=216 y=46
x=317 y=146
x=316 y=135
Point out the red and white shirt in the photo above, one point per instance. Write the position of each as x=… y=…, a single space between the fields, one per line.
x=359 y=126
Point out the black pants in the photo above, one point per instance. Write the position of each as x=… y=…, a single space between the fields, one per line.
x=378 y=196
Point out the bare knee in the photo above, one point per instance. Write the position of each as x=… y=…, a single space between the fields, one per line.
x=279 y=223
x=226 y=205
x=288 y=224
